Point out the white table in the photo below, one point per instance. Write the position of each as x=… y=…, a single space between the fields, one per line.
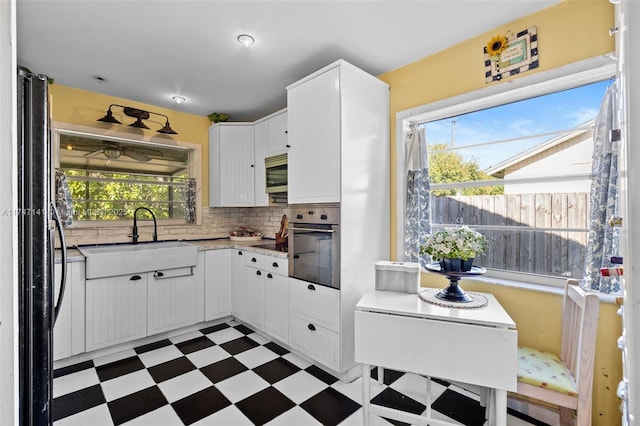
x=401 y=332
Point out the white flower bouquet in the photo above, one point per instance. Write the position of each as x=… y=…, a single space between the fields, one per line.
x=459 y=242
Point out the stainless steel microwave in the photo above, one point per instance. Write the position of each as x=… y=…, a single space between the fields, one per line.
x=276 y=173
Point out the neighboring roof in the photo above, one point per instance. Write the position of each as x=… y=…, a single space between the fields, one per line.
x=537 y=149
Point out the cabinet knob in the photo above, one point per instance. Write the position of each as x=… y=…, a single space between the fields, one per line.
x=311 y=287
x=298 y=216
x=274 y=264
x=135 y=278
x=252 y=165
x=258 y=273
x=311 y=327
x=269 y=275
x=253 y=259
x=240 y=253
x=158 y=274
x=288 y=146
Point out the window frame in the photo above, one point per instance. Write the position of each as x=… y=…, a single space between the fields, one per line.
x=543 y=83
x=194 y=168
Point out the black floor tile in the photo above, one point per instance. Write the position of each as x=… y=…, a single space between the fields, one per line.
x=441 y=382
x=276 y=370
x=224 y=369
x=170 y=369
x=136 y=404
x=59 y=372
x=330 y=407
x=265 y=405
x=276 y=348
x=74 y=402
x=393 y=399
x=194 y=345
x=390 y=376
x=214 y=328
x=119 y=368
x=199 y=405
x=460 y=408
x=152 y=346
x=238 y=345
x=243 y=329
x=319 y=373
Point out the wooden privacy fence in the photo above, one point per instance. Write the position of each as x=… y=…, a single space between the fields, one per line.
x=556 y=249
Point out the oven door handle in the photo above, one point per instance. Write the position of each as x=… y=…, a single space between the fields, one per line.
x=313 y=230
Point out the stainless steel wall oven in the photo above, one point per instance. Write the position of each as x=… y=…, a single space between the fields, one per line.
x=314 y=244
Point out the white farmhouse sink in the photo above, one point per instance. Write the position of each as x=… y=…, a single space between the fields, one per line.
x=113 y=260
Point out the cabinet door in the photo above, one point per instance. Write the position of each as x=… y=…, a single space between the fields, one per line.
x=173 y=300
x=313 y=109
x=315 y=341
x=238 y=299
x=254 y=297
x=261 y=146
x=62 y=328
x=276 y=306
x=217 y=291
x=318 y=304
x=278 y=137
x=231 y=163
x=116 y=310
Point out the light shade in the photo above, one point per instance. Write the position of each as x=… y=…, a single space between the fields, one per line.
x=109 y=118
x=167 y=129
x=139 y=115
x=245 y=39
x=139 y=124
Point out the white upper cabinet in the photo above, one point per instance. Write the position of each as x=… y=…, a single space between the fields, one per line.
x=261 y=147
x=278 y=133
x=313 y=109
x=231 y=165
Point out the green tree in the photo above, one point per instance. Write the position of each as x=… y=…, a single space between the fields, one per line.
x=449 y=166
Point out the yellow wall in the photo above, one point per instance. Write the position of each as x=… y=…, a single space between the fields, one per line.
x=571 y=31
x=75 y=106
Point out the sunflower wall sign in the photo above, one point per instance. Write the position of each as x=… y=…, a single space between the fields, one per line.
x=507 y=55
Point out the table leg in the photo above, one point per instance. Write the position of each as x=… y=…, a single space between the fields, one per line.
x=380 y=375
x=366 y=393
x=500 y=407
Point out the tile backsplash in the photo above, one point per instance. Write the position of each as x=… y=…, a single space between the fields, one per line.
x=216 y=223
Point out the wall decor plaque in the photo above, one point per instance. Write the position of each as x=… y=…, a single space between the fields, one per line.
x=505 y=56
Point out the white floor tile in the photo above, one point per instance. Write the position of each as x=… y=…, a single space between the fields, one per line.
x=229 y=416
x=184 y=337
x=75 y=381
x=98 y=416
x=163 y=416
x=296 y=360
x=294 y=417
x=258 y=338
x=225 y=335
x=356 y=419
x=256 y=356
x=208 y=356
x=354 y=389
x=127 y=384
x=242 y=385
x=415 y=387
x=184 y=385
x=106 y=359
x=158 y=356
x=300 y=386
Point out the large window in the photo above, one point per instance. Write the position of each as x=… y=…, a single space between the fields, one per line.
x=519 y=172
x=109 y=178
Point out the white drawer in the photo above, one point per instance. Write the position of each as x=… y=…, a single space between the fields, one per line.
x=315 y=303
x=315 y=341
x=276 y=265
x=255 y=260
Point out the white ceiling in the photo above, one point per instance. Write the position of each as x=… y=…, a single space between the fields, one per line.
x=150 y=50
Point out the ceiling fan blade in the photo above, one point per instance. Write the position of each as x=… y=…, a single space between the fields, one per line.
x=136 y=156
x=93 y=153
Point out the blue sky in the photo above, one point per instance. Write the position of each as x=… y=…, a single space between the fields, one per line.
x=557 y=111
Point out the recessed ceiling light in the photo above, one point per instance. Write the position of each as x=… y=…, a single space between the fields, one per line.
x=245 y=39
x=178 y=99
x=99 y=78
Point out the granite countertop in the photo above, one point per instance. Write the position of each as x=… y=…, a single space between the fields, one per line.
x=73 y=255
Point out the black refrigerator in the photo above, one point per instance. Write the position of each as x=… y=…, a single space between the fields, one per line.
x=37 y=224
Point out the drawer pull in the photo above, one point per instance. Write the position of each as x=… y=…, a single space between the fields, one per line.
x=240 y=253
x=254 y=260
x=158 y=274
x=135 y=278
x=311 y=327
x=269 y=275
x=311 y=287
x=274 y=264
x=258 y=273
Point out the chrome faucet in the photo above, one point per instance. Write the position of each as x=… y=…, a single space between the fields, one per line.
x=135 y=235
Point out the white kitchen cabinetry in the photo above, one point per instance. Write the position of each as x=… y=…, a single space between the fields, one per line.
x=276 y=298
x=316 y=342
x=175 y=299
x=68 y=332
x=116 y=310
x=217 y=290
x=238 y=284
x=278 y=133
x=261 y=151
x=254 y=291
x=231 y=165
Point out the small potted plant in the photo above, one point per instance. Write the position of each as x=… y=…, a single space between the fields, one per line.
x=454 y=247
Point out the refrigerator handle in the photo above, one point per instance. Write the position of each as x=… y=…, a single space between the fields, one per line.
x=63 y=248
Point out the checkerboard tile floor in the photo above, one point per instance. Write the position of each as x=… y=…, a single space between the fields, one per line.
x=228 y=375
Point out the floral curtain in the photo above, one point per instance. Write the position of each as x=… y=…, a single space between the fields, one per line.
x=417 y=206
x=191 y=201
x=63 y=200
x=603 y=240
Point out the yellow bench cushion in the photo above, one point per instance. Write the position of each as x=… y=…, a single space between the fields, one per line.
x=545 y=370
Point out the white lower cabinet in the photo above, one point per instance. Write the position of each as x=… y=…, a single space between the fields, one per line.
x=174 y=299
x=315 y=341
x=239 y=308
x=217 y=283
x=69 y=329
x=276 y=298
x=254 y=296
x=116 y=310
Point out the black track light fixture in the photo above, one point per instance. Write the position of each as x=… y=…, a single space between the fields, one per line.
x=139 y=115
